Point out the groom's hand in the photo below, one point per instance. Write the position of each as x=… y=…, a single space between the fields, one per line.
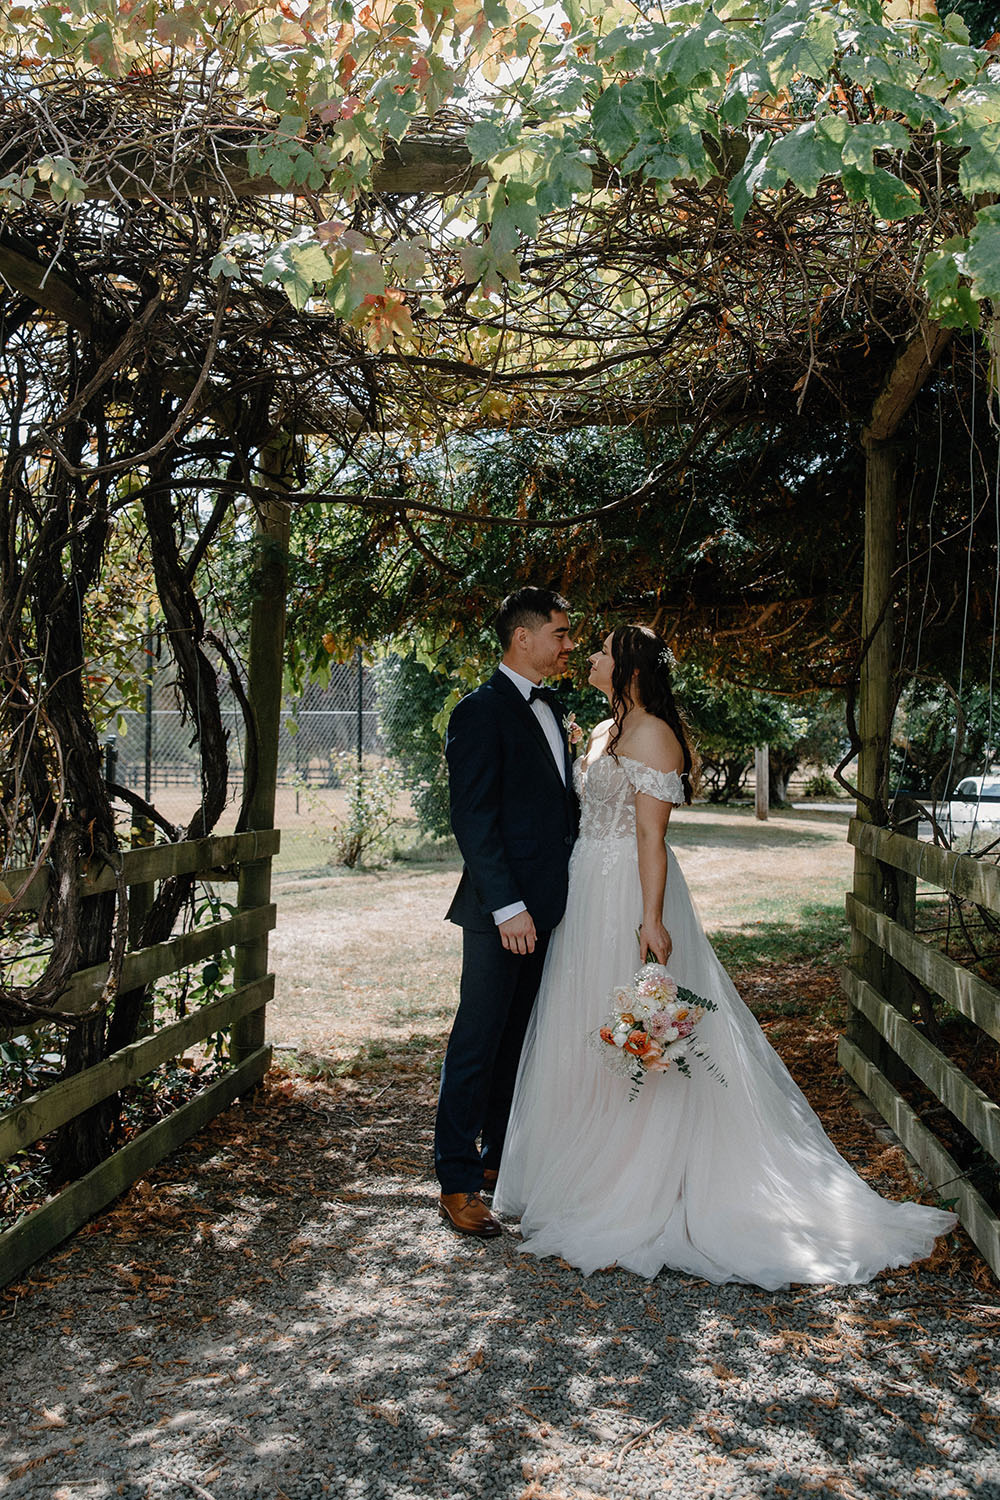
x=518 y=933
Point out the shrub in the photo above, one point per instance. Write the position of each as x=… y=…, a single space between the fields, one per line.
x=372 y=794
x=410 y=696
x=821 y=785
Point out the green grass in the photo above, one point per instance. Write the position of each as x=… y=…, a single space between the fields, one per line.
x=309 y=852
x=813 y=933
x=771 y=896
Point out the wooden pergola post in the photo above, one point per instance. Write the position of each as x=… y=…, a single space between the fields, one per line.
x=264 y=677
x=873 y=887
x=875 y=710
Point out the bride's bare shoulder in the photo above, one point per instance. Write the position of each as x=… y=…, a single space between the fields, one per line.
x=655 y=744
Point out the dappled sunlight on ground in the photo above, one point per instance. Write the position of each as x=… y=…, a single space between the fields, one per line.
x=279 y=1313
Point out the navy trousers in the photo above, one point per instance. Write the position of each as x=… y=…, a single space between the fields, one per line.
x=497 y=992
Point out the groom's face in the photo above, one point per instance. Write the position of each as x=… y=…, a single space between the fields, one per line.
x=547 y=649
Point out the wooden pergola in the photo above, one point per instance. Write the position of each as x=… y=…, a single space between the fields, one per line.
x=887 y=864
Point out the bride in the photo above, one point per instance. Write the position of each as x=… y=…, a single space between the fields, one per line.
x=732 y=1181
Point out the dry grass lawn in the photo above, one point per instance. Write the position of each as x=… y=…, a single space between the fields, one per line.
x=363 y=956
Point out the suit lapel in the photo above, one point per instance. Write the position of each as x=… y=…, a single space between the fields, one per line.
x=512 y=695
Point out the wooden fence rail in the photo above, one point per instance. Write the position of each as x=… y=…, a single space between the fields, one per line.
x=904 y=1044
x=41 y=1229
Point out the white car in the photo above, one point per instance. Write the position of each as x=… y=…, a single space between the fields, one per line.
x=975 y=804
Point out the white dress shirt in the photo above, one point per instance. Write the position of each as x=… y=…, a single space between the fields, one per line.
x=543 y=712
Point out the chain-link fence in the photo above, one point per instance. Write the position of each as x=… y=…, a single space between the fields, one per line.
x=336 y=765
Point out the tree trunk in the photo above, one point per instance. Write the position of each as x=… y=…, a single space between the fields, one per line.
x=63 y=577
x=782 y=765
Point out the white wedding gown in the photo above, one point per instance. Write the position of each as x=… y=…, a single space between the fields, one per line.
x=734 y=1182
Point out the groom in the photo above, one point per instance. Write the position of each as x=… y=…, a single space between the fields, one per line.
x=515 y=813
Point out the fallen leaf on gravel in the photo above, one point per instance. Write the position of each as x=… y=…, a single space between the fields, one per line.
x=50 y=1419
x=35 y=1463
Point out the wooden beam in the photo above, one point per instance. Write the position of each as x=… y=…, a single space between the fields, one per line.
x=146 y=964
x=265 y=677
x=875 y=710
x=905 y=379
x=36 y=1233
x=32 y=1118
x=422 y=163
x=207 y=857
x=946 y=1081
x=761 y=781
x=877 y=695
x=416 y=165
x=958 y=874
x=941 y=1168
x=954 y=983
x=46 y=288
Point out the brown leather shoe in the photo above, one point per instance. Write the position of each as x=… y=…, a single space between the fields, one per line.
x=490 y=1175
x=467 y=1213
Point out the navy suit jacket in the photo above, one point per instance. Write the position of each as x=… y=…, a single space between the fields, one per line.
x=514 y=818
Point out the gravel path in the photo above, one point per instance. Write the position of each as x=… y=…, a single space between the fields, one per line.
x=278 y=1313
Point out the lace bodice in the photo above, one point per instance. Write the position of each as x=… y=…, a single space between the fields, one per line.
x=607 y=791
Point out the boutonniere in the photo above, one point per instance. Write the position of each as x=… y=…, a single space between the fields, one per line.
x=574 y=733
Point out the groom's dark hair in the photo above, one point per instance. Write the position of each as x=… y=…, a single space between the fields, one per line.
x=529 y=607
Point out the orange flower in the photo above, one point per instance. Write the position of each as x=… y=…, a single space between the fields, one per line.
x=607 y=1035
x=638 y=1044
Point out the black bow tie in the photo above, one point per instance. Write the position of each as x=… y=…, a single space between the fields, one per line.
x=546 y=695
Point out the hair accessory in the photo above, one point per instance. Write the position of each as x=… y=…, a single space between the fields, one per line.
x=667 y=658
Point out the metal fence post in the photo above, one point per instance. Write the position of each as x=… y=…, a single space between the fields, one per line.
x=361 y=708
x=148 y=745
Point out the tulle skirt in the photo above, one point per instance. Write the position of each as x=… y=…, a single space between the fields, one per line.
x=729 y=1182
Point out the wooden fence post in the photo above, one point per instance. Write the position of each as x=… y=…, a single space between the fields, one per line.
x=875 y=711
x=140 y=899
x=265 y=671
x=901 y=902
x=761 y=769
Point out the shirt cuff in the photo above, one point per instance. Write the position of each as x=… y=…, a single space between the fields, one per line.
x=506 y=912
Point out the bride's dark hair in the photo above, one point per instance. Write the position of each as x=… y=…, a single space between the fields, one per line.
x=637 y=649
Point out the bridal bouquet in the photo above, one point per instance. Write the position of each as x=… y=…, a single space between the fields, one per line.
x=652 y=1026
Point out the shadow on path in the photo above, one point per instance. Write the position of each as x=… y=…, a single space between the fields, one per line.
x=278 y=1313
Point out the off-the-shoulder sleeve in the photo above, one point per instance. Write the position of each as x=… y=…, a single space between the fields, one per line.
x=665 y=786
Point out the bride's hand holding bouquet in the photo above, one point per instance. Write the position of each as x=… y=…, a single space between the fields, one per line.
x=652 y=1025
x=655 y=941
